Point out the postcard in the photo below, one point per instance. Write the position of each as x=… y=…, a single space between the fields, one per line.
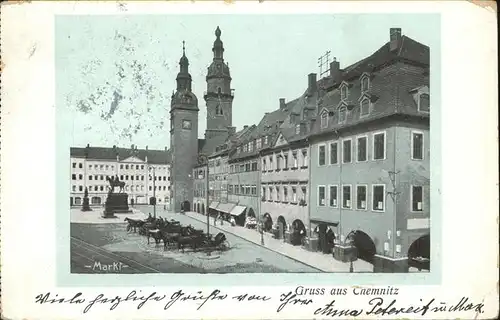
x=253 y=160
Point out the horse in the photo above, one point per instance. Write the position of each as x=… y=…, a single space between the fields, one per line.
x=133 y=224
x=115 y=182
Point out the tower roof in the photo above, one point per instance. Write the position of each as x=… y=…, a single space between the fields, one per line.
x=184 y=60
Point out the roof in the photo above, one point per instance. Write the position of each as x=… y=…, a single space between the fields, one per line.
x=105 y=153
x=390 y=93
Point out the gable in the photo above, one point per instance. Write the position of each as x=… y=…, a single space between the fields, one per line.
x=281 y=141
x=133 y=160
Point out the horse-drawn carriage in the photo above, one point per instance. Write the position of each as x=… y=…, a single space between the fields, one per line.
x=173 y=234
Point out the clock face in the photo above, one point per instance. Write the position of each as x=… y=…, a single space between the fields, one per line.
x=186 y=124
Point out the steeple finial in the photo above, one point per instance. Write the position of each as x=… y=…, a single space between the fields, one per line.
x=183 y=48
x=217 y=32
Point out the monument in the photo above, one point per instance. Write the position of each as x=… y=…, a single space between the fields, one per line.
x=115 y=202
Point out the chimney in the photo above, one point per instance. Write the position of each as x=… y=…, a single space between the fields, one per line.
x=88 y=145
x=146 y=148
x=282 y=103
x=335 y=70
x=311 y=88
x=166 y=148
x=395 y=39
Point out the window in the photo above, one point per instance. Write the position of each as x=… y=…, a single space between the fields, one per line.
x=254 y=190
x=265 y=140
x=80 y=165
x=277 y=193
x=250 y=146
x=74 y=164
x=285 y=193
x=236 y=189
x=379 y=146
x=126 y=167
x=102 y=177
x=238 y=150
x=80 y=188
x=321 y=155
x=334 y=153
x=346 y=151
x=254 y=166
x=73 y=176
x=362 y=153
x=258 y=144
x=80 y=177
x=333 y=196
x=297 y=129
x=264 y=165
x=295 y=162
x=365 y=107
x=342 y=114
x=285 y=161
x=321 y=196
x=74 y=188
x=324 y=120
x=294 y=194
x=304 y=158
x=247 y=167
x=304 y=193
x=90 y=167
x=90 y=188
x=365 y=84
x=423 y=102
x=361 y=197
x=417 y=146
x=378 y=194
x=121 y=166
x=263 y=193
x=90 y=177
x=78 y=201
x=346 y=197
x=131 y=177
x=242 y=168
x=270 y=194
x=142 y=167
x=416 y=198
x=343 y=92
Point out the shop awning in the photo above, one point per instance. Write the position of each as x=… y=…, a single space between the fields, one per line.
x=237 y=210
x=214 y=205
x=226 y=207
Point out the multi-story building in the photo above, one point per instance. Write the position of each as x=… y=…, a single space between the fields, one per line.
x=243 y=179
x=285 y=165
x=145 y=173
x=370 y=153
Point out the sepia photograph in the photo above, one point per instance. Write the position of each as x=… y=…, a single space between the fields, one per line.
x=219 y=150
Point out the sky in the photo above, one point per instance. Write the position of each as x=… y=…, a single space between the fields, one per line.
x=116 y=73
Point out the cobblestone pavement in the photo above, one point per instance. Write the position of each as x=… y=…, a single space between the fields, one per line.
x=110 y=242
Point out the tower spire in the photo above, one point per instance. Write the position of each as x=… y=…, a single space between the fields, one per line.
x=218 y=48
x=183 y=77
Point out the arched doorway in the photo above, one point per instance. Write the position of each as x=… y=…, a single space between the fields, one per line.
x=251 y=213
x=202 y=208
x=419 y=253
x=268 y=222
x=186 y=206
x=198 y=207
x=298 y=232
x=281 y=227
x=326 y=238
x=364 y=245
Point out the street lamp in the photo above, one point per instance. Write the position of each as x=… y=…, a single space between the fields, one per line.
x=154 y=190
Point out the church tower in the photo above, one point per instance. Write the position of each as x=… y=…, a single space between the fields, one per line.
x=219 y=95
x=183 y=136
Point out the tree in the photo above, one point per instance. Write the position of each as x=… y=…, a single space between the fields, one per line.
x=86 y=206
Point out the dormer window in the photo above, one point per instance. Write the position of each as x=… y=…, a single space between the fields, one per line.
x=365 y=83
x=343 y=92
x=324 y=120
x=342 y=114
x=423 y=102
x=365 y=107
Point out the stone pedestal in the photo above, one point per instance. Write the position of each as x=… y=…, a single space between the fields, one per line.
x=116 y=203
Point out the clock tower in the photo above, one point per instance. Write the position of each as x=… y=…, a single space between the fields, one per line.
x=183 y=137
x=219 y=95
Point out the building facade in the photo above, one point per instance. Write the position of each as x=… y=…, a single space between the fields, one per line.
x=370 y=154
x=145 y=173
